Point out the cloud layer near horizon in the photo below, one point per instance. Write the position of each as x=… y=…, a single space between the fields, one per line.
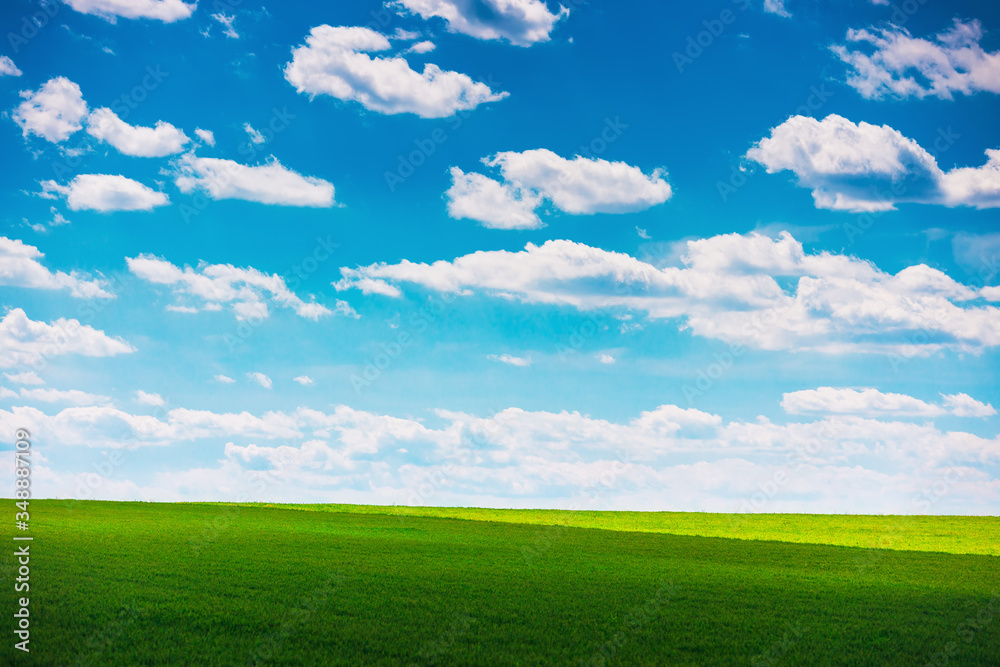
x=522 y=458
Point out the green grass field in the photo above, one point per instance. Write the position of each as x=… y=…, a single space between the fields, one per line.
x=215 y=584
x=948 y=534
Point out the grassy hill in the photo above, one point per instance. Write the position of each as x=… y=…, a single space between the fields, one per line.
x=947 y=534
x=215 y=584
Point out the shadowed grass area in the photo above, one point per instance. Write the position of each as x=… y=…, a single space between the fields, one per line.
x=139 y=583
x=946 y=534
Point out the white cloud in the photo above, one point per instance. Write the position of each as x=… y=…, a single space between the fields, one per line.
x=565 y=459
x=872 y=402
x=53 y=112
x=255 y=136
x=205 y=135
x=863 y=167
x=7 y=393
x=159 y=141
x=368 y=286
x=25 y=342
x=8 y=68
x=246 y=290
x=583 y=185
x=261 y=379
x=963 y=405
x=167 y=11
x=828 y=400
x=304 y=380
x=421 y=47
x=605 y=358
x=520 y=22
x=335 y=62
x=149 y=399
x=405 y=35
x=726 y=287
x=227 y=23
x=58 y=219
x=359 y=432
x=577 y=186
x=71 y=396
x=269 y=183
x=903 y=66
x=20 y=267
x=28 y=377
x=509 y=359
x=974 y=186
x=495 y=205
x=104 y=193
x=224 y=379
x=776 y=7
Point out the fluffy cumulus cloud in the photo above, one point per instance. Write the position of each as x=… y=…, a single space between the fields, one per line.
x=304 y=380
x=53 y=112
x=583 y=185
x=494 y=204
x=57 y=110
x=20 y=266
x=578 y=186
x=963 y=405
x=422 y=47
x=520 y=22
x=269 y=183
x=889 y=62
x=727 y=288
x=869 y=401
x=335 y=62
x=159 y=141
x=25 y=342
x=153 y=399
x=105 y=193
x=863 y=167
x=8 y=68
x=565 y=459
x=246 y=291
x=167 y=11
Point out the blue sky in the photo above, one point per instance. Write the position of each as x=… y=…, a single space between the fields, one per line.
x=725 y=256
